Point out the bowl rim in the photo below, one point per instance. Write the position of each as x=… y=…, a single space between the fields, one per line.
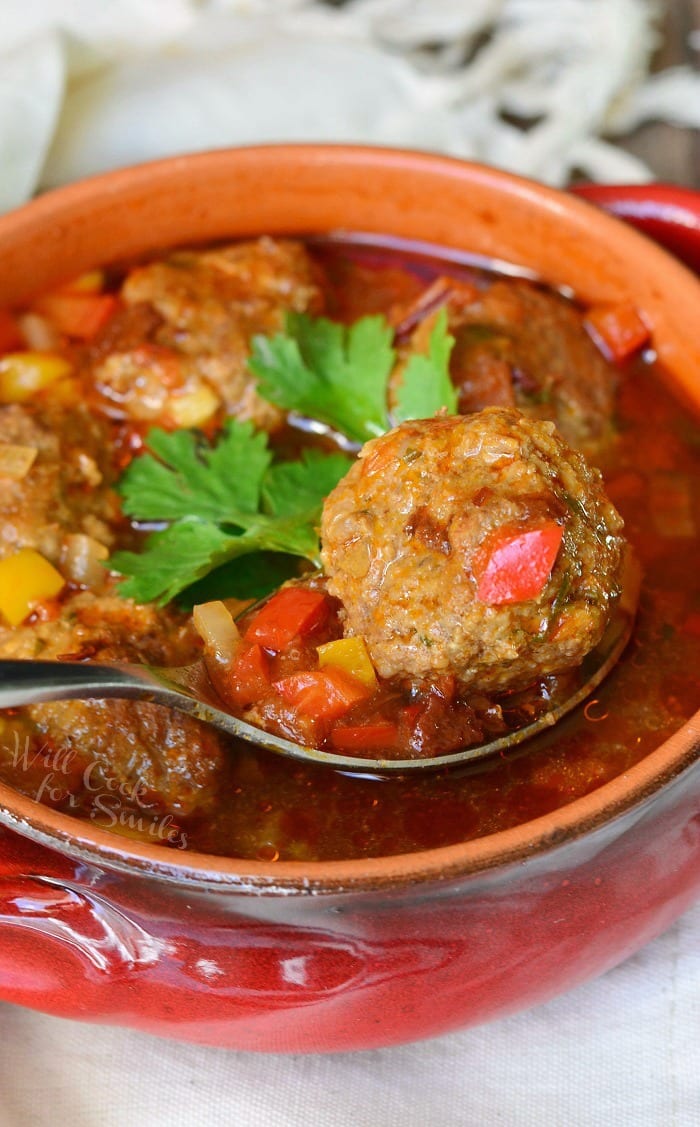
x=632 y=791
x=636 y=787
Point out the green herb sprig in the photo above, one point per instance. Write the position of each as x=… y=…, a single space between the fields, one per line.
x=339 y=374
x=226 y=502
x=222 y=502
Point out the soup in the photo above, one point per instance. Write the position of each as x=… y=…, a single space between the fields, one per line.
x=116 y=354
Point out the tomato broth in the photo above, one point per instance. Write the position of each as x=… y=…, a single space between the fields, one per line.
x=261 y=806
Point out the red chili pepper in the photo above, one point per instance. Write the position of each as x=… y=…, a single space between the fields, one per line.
x=514 y=565
x=248 y=678
x=292 y=613
x=79 y=315
x=324 y=694
x=618 y=329
x=365 y=737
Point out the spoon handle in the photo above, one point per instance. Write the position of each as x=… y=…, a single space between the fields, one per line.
x=30 y=682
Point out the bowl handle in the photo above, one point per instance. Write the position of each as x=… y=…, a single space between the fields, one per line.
x=44 y=895
x=668 y=214
x=40 y=891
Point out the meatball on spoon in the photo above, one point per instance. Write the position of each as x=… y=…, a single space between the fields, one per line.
x=188 y=689
x=478 y=552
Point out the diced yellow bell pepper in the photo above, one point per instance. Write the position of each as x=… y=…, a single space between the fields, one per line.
x=92 y=281
x=194 y=407
x=23 y=374
x=352 y=656
x=26 y=578
x=67 y=392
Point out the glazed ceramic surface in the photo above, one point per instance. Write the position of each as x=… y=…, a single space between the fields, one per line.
x=349 y=955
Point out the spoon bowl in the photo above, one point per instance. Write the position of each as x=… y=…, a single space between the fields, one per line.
x=188 y=689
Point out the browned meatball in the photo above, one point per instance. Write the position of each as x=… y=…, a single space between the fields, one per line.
x=414 y=535
x=553 y=367
x=161 y=760
x=173 y=761
x=178 y=352
x=64 y=508
x=65 y=491
x=517 y=345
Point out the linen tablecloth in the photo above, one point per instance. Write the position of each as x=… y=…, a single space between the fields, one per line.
x=622 y=1051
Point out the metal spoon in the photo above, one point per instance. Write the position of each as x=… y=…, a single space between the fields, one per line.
x=188 y=689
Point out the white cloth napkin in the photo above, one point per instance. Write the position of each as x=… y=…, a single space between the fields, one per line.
x=622 y=1051
x=88 y=86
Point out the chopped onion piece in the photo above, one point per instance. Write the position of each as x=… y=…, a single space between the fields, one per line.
x=218 y=631
x=38 y=333
x=16 y=461
x=82 y=560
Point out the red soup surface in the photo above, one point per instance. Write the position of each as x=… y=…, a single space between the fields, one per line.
x=109 y=356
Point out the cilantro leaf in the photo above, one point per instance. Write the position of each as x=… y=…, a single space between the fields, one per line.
x=340 y=375
x=426 y=386
x=246 y=577
x=187 y=476
x=293 y=487
x=171 y=560
x=229 y=500
x=189 y=550
x=327 y=371
x=225 y=501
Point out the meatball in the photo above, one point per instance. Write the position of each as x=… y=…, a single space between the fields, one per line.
x=553 y=367
x=517 y=345
x=178 y=350
x=65 y=491
x=414 y=536
x=63 y=504
x=170 y=757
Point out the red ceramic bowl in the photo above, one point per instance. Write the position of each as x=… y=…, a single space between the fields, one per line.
x=351 y=955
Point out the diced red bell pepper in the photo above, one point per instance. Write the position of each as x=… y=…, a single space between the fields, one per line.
x=292 y=613
x=324 y=694
x=248 y=678
x=514 y=565
x=10 y=336
x=79 y=315
x=365 y=737
x=618 y=329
